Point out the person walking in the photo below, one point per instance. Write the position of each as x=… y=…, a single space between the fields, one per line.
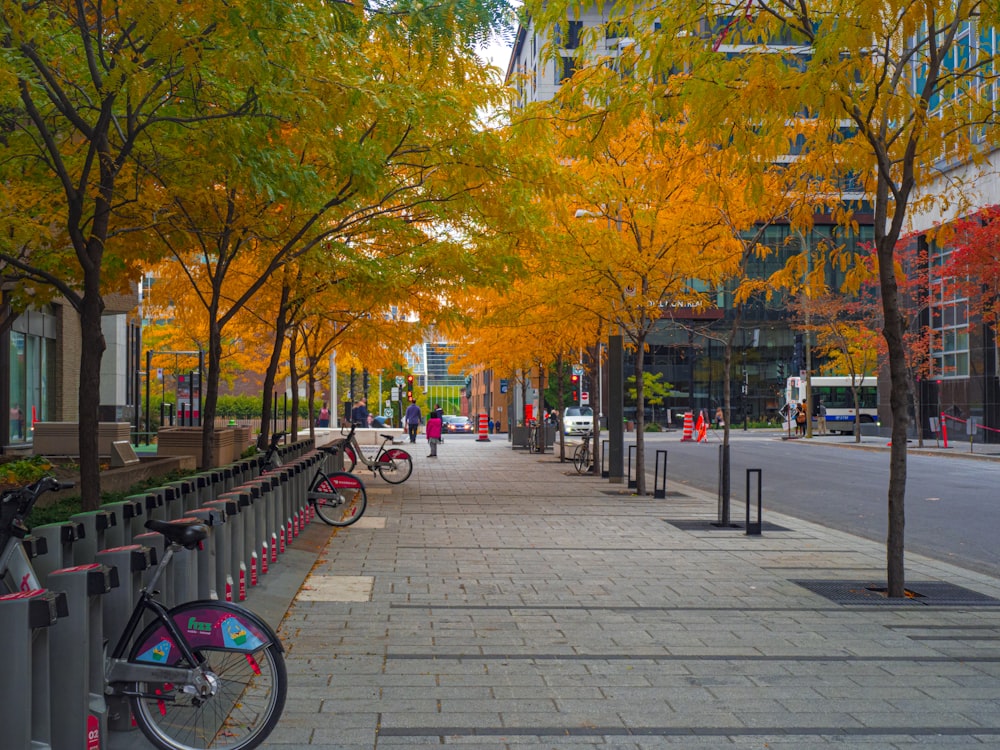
x=433 y=433
x=800 y=419
x=413 y=418
x=324 y=416
x=359 y=415
x=821 y=416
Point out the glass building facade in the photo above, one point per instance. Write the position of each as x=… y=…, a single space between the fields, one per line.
x=29 y=353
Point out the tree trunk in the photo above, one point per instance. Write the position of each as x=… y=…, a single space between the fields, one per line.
x=293 y=377
x=208 y=410
x=893 y=331
x=280 y=329
x=93 y=346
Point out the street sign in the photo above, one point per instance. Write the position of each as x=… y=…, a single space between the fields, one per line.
x=578 y=370
x=400 y=380
x=387 y=411
x=584 y=398
x=394 y=393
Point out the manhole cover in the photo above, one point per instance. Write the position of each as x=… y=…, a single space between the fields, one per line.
x=927 y=593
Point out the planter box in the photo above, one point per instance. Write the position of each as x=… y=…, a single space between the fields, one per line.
x=63 y=438
x=186 y=441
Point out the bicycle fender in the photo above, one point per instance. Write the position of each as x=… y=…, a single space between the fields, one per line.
x=206 y=623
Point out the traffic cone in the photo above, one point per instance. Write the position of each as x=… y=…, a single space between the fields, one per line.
x=699 y=428
x=688 y=428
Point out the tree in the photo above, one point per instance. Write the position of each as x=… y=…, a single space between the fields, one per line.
x=887 y=93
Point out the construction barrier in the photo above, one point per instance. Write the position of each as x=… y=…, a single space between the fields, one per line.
x=484 y=429
x=688 y=435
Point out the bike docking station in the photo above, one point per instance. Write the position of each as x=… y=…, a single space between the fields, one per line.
x=94 y=567
x=76 y=671
x=660 y=479
x=25 y=621
x=59 y=539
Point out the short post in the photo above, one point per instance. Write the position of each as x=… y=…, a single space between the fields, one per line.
x=633 y=482
x=484 y=429
x=754 y=529
x=660 y=480
x=605 y=472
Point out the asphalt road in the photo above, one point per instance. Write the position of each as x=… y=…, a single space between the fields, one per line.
x=952 y=501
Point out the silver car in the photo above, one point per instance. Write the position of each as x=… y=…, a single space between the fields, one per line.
x=578 y=420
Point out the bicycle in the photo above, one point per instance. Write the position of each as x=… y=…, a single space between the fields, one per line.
x=202 y=674
x=582 y=459
x=394 y=464
x=327 y=492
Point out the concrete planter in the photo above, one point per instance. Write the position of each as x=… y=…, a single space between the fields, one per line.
x=186 y=441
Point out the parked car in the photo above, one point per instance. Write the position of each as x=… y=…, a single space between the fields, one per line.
x=578 y=420
x=456 y=425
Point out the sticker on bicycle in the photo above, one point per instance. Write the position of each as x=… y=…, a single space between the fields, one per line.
x=392 y=453
x=339 y=481
x=158 y=654
x=206 y=629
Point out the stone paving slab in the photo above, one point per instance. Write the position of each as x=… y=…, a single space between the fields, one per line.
x=515 y=604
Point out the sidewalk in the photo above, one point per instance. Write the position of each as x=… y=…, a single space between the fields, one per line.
x=499 y=600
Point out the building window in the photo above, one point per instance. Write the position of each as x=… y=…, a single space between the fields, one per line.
x=949 y=321
x=31 y=369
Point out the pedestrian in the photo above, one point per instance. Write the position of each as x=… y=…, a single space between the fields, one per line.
x=359 y=415
x=821 y=416
x=433 y=433
x=800 y=419
x=720 y=419
x=489 y=425
x=413 y=418
x=324 y=416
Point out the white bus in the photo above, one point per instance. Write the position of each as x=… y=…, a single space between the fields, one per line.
x=838 y=398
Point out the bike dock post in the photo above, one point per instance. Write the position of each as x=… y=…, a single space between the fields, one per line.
x=633 y=482
x=754 y=529
x=158 y=543
x=660 y=480
x=605 y=472
x=131 y=562
x=207 y=562
x=241 y=550
x=225 y=572
x=187 y=495
x=25 y=711
x=77 y=673
x=128 y=513
x=95 y=523
x=59 y=539
x=151 y=502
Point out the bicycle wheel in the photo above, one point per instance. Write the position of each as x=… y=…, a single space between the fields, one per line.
x=245 y=672
x=581 y=458
x=339 y=498
x=395 y=466
x=350 y=460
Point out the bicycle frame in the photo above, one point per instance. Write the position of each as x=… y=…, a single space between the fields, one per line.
x=372 y=462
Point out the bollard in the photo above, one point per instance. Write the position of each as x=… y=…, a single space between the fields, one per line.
x=207 y=555
x=225 y=571
x=129 y=514
x=605 y=472
x=755 y=528
x=130 y=562
x=77 y=673
x=95 y=524
x=633 y=482
x=25 y=711
x=660 y=490
x=59 y=540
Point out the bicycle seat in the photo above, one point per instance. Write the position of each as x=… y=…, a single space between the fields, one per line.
x=187 y=533
x=387 y=437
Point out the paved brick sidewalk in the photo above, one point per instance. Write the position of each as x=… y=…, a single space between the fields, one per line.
x=504 y=601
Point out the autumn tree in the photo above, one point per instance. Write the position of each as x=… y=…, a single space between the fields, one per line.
x=891 y=92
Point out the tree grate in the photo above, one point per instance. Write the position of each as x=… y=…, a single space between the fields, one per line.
x=918 y=593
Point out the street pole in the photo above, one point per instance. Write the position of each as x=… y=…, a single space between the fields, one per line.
x=616 y=409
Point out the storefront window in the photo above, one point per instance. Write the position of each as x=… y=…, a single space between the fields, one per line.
x=31 y=369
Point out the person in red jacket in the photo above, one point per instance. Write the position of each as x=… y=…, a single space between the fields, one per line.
x=433 y=430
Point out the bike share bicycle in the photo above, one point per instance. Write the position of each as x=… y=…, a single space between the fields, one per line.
x=582 y=459
x=393 y=464
x=338 y=497
x=201 y=674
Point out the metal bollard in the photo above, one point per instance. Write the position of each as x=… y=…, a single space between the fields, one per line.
x=25 y=711
x=131 y=562
x=77 y=673
x=225 y=572
x=660 y=480
x=206 y=556
x=95 y=524
x=632 y=481
x=59 y=540
x=129 y=513
x=605 y=471
x=754 y=529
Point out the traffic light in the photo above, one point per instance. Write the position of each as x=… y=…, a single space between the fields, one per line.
x=781 y=372
x=573 y=397
x=409 y=381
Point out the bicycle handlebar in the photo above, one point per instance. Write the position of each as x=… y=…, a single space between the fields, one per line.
x=16 y=504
